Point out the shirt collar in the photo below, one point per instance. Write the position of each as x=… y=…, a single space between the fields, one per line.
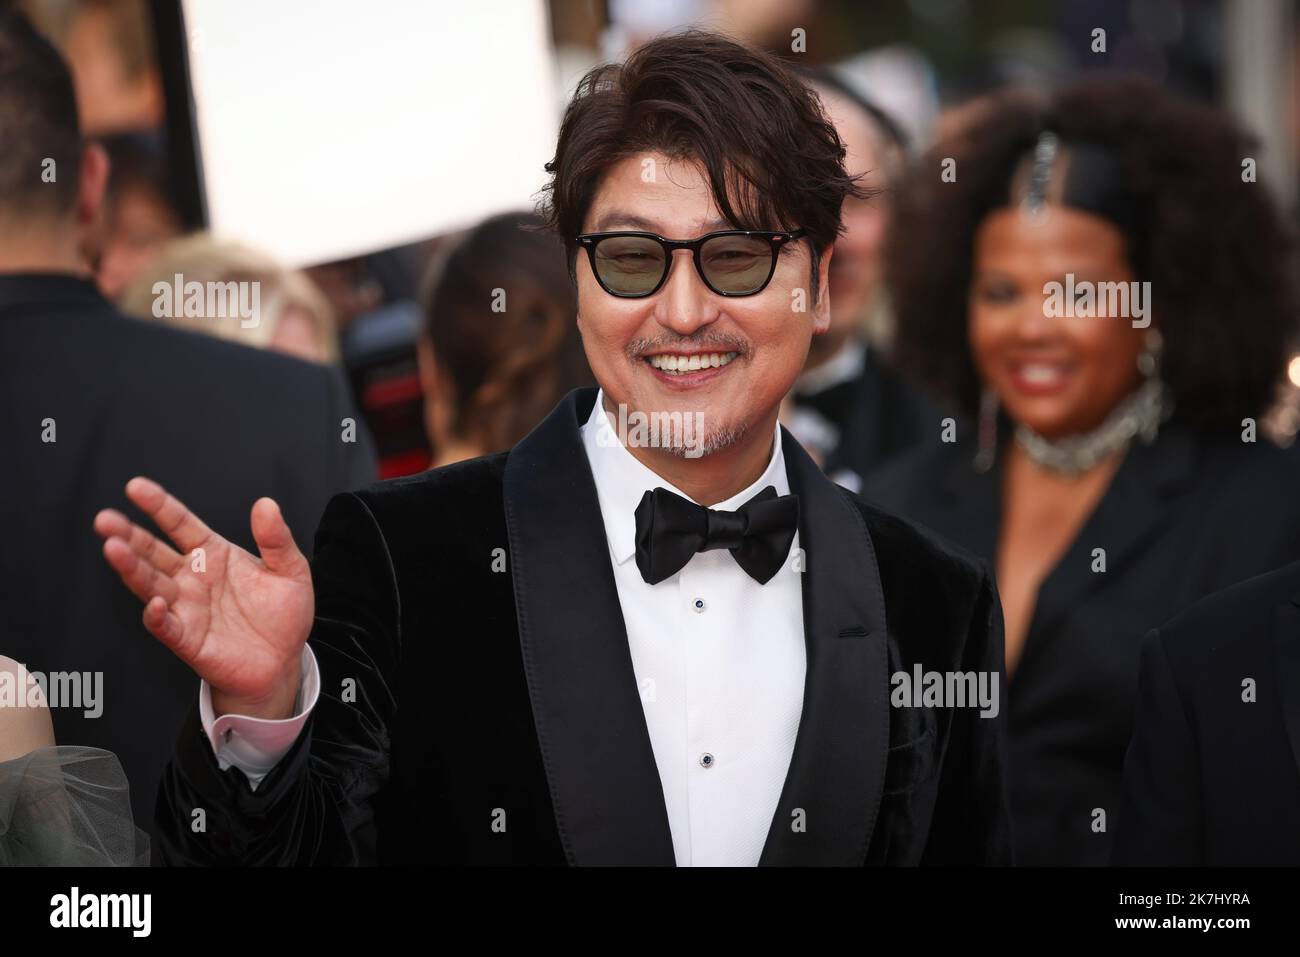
x=845 y=365
x=45 y=288
x=622 y=480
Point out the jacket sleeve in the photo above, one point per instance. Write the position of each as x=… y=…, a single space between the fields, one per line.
x=972 y=819
x=1160 y=805
x=317 y=806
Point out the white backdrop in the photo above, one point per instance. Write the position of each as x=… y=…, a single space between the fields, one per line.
x=332 y=128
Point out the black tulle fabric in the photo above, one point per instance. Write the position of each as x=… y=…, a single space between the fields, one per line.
x=68 y=806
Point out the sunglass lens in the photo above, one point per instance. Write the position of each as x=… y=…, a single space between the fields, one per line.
x=737 y=264
x=629 y=265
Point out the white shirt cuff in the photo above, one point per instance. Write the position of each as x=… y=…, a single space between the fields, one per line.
x=256 y=745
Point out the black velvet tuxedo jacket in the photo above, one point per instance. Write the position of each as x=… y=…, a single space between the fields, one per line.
x=1211 y=778
x=496 y=717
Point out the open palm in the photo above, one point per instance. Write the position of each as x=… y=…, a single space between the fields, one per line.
x=238 y=620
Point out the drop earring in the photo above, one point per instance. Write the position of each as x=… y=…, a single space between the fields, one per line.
x=1148 y=360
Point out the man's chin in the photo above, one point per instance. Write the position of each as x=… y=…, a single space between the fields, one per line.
x=676 y=426
x=713 y=442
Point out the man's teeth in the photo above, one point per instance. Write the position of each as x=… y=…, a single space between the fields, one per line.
x=676 y=365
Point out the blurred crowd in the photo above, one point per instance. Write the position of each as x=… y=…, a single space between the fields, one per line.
x=1083 y=460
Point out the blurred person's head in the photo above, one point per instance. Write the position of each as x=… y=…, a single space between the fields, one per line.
x=695 y=134
x=109 y=45
x=500 y=346
x=232 y=292
x=139 y=215
x=1107 y=182
x=765 y=24
x=51 y=181
x=876 y=153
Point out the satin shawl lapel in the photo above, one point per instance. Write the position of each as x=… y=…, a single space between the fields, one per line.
x=832 y=792
x=609 y=804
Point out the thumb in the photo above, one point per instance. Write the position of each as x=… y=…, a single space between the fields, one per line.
x=274 y=540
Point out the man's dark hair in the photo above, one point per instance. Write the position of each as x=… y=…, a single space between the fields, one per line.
x=38 y=121
x=772 y=158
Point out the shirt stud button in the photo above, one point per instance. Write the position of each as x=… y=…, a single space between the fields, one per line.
x=699 y=605
x=706 y=760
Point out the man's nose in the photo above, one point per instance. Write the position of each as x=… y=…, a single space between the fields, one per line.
x=685 y=304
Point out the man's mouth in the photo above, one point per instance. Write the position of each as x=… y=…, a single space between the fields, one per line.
x=673 y=363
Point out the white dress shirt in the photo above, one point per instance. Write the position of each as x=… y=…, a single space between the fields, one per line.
x=719 y=660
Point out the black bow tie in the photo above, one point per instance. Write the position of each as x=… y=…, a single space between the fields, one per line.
x=670 y=529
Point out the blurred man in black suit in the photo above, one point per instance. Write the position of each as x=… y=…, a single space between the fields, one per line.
x=1212 y=774
x=89 y=398
x=851 y=409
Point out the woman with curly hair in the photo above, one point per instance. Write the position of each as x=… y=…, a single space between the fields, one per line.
x=1098 y=281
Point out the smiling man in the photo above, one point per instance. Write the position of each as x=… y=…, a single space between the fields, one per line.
x=596 y=651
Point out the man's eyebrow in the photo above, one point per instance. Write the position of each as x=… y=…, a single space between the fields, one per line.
x=618 y=219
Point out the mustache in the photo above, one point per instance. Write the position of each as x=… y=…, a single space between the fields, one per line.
x=714 y=341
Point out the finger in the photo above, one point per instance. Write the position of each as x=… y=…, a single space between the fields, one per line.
x=111 y=523
x=144 y=581
x=180 y=524
x=275 y=541
x=160 y=622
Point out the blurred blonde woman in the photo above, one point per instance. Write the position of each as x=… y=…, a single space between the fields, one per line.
x=234 y=292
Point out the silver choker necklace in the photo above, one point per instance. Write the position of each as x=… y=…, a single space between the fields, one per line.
x=1139 y=415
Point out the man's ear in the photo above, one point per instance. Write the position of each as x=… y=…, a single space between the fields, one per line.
x=822 y=307
x=91 y=185
x=88 y=212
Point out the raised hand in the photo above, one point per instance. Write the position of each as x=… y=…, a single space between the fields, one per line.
x=238 y=620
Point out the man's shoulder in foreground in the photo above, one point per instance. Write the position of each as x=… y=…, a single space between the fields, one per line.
x=906 y=548
x=446 y=505
x=941 y=601
x=447 y=488
x=195 y=353
x=113 y=353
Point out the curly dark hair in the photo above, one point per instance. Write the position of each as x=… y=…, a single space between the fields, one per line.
x=1212 y=245
x=773 y=159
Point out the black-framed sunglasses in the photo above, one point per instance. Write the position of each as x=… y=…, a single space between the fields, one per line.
x=731 y=262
